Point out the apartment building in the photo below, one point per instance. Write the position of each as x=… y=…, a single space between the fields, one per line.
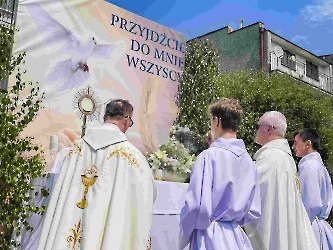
x=255 y=47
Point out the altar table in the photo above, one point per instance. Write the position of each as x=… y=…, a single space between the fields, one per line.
x=166 y=215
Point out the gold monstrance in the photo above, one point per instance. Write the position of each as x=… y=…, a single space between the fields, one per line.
x=87 y=105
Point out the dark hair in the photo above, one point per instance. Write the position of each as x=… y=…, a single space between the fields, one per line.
x=118 y=108
x=228 y=111
x=311 y=135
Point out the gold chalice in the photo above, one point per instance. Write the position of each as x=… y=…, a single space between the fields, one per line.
x=87 y=182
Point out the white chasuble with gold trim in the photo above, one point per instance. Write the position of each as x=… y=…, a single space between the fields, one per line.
x=103 y=198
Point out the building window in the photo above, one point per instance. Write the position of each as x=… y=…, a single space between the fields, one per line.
x=7 y=4
x=312 y=71
x=288 y=60
x=7 y=9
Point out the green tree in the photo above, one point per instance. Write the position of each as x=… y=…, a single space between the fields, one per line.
x=7 y=65
x=259 y=92
x=195 y=90
x=303 y=105
x=16 y=112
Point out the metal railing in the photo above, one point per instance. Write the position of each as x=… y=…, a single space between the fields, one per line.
x=8 y=9
x=8 y=12
x=298 y=70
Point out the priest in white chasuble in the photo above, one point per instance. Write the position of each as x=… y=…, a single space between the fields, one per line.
x=104 y=195
x=284 y=223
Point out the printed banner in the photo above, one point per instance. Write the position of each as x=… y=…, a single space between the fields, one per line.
x=73 y=44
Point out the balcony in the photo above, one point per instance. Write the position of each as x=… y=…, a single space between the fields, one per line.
x=8 y=12
x=299 y=71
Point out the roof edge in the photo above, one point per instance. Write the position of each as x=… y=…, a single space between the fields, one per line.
x=225 y=27
x=297 y=46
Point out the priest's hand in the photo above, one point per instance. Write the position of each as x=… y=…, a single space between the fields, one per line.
x=68 y=137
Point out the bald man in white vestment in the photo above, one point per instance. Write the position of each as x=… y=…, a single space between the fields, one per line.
x=284 y=223
x=104 y=195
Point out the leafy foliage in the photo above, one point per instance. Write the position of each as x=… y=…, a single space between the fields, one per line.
x=302 y=105
x=195 y=91
x=258 y=92
x=7 y=64
x=16 y=167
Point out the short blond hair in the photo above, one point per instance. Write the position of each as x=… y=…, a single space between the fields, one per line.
x=229 y=111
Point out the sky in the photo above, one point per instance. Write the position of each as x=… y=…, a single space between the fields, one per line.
x=307 y=23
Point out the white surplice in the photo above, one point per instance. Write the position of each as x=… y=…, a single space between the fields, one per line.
x=284 y=223
x=119 y=204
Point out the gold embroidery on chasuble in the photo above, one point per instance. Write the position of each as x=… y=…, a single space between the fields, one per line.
x=125 y=155
x=88 y=179
x=74 y=240
x=76 y=149
x=298 y=184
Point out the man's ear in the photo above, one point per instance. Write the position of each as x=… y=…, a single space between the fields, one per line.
x=126 y=121
x=308 y=144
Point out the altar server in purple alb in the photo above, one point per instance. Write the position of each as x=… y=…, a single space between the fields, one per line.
x=316 y=186
x=223 y=193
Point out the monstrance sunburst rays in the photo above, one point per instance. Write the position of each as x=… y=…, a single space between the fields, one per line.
x=87 y=106
x=102 y=168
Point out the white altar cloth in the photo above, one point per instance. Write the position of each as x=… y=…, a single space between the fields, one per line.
x=170 y=198
x=169 y=202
